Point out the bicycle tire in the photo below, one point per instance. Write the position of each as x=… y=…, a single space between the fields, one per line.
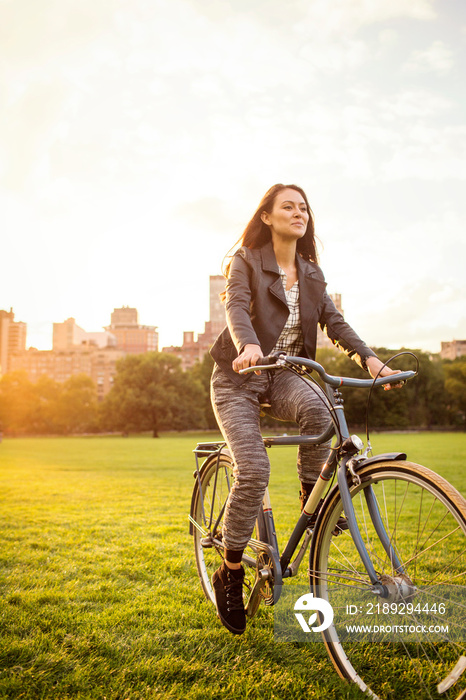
x=210 y=494
x=425 y=518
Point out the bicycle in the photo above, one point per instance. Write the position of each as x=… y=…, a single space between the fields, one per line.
x=404 y=549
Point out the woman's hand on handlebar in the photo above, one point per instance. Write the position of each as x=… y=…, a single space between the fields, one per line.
x=374 y=365
x=248 y=358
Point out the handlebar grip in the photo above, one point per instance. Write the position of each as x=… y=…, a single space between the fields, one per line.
x=268 y=359
x=401 y=378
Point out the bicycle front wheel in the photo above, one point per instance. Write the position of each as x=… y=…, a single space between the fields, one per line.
x=406 y=642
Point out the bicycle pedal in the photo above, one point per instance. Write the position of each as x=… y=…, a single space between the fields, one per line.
x=207 y=542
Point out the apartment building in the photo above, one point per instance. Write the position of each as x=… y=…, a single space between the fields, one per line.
x=12 y=338
x=76 y=351
x=130 y=335
x=452 y=349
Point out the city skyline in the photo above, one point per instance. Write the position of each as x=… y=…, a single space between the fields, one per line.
x=137 y=140
x=96 y=354
x=97 y=337
x=76 y=351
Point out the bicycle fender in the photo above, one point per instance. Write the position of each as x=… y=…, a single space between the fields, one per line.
x=384 y=457
x=198 y=471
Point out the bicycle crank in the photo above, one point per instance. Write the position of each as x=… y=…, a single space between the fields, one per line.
x=261 y=584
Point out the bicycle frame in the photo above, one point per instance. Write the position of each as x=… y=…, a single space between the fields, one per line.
x=341 y=460
x=288 y=569
x=421 y=523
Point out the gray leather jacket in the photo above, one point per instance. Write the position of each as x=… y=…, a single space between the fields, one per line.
x=256 y=310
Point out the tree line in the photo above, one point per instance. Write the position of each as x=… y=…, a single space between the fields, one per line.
x=152 y=393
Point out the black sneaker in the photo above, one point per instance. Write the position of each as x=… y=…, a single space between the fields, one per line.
x=228 y=590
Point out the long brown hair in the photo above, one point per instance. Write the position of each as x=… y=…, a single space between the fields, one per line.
x=257 y=233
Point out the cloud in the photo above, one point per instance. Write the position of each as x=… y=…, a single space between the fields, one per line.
x=27 y=130
x=402 y=310
x=429 y=153
x=135 y=90
x=437 y=59
x=135 y=124
x=348 y=16
x=420 y=315
x=32 y=33
x=209 y=214
x=313 y=18
x=413 y=103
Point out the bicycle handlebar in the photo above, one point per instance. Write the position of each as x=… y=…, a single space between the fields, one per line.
x=274 y=362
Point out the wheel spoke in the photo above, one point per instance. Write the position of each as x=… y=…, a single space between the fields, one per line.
x=425 y=520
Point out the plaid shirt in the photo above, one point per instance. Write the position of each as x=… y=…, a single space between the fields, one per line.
x=291 y=337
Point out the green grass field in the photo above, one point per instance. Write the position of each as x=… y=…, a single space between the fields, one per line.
x=99 y=595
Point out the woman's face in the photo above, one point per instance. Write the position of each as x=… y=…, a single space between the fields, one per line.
x=289 y=216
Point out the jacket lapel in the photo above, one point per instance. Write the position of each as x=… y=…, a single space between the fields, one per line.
x=311 y=289
x=269 y=264
x=311 y=285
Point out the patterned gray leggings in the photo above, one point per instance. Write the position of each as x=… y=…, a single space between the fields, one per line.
x=237 y=411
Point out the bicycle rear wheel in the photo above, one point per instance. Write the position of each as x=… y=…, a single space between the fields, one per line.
x=425 y=519
x=209 y=498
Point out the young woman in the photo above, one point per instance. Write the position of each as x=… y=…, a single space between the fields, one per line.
x=275 y=298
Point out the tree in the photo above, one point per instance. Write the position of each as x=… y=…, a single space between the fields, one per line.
x=455 y=384
x=44 y=412
x=421 y=403
x=18 y=402
x=76 y=407
x=202 y=372
x=47 y=406
x=151 y=392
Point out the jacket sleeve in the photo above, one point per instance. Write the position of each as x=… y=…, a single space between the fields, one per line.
x=238 y=303
x=342 y=335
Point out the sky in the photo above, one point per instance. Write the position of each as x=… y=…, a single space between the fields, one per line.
x=137 y=138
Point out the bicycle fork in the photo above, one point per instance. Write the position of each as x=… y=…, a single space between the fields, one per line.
x=312 y=505
x=378 y=587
